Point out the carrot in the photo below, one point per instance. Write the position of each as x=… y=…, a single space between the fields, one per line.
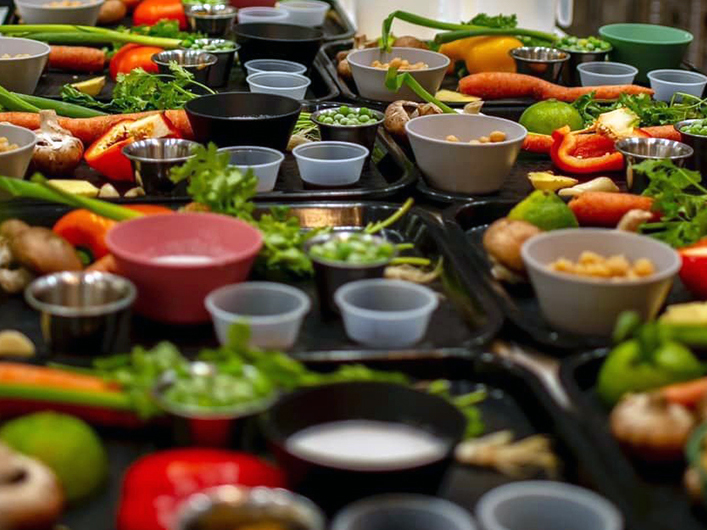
x=688 y=394
x=88 y=130
x=600 y=208
x=537 y=143
x=41 y=376
x=77 y=59
x=502 y=85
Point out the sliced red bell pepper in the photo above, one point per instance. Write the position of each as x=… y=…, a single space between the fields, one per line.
x=693 y=272
x=157 y=484
x=584 y=153
x=106 y=154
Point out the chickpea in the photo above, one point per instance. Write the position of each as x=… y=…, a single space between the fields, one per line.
x=497 y=136
x=452 y=138
x=484 y=139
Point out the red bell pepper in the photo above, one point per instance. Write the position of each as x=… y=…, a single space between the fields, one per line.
x=584 y=153
x=132 y=56
x=693 y=272
x=157 y=484
x=150 y=12
x=106 y=154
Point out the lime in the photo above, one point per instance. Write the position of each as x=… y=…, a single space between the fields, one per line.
x=547 y=116
x=92 y=87
x=67 y=445
x=545 y=210
x=544 y=180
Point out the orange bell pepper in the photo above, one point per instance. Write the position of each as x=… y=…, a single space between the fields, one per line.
x=583 y=154
x=106 y=154
x=132 y=56
x=87 y=231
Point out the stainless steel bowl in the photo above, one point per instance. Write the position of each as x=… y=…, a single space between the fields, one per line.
x=197 y=62
x=212 y=20
x=227 y=507
x=545 y=63
x=636 y=150
x=364 y=135
x=220 y=72
x=153 y=160
x=83 y=312
x=570 y=75
x=698 y=144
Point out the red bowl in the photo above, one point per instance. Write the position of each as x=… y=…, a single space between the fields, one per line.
x=206 y=251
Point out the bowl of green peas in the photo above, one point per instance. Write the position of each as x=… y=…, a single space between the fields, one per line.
x=581 y=50
x=694 y=134
x=341 y=123
x=225 y=52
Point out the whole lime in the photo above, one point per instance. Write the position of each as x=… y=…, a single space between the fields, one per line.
x=66 y=444
x=545 y=210
x=547 y=116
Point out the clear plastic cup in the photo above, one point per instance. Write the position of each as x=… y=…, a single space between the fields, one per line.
x=264 y=162
x=309 y=13
x=386 y=313
x=665 y=83
x=601 y=73
x=257 y=66
x=263 y=15
x=279 y=83
x=330 y=164
x=547 y=505
x=274 y=312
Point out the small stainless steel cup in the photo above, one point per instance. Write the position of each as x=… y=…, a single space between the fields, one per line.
x=545 y=63
x=153 y=160
x=330 y=275
x=220 y=73
x=364 y=135
x=570 y=75
x=636 y=150
x=698 y=144
x=227 y=507
x=212 y=20
x=197 y=62
x=83 y=313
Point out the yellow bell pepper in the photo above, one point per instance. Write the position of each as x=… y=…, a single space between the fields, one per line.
x=483 y=54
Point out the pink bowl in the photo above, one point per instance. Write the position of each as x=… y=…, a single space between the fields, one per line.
x=175 y=260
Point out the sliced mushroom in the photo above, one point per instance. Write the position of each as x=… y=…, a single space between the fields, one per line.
x=43 y=252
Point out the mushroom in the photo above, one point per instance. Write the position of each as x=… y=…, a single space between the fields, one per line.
x=399 y=113
x=57 y=152
x=43 y=252
x=30 y=495
x=12 y=227
x=408 y=41
x=503 y=240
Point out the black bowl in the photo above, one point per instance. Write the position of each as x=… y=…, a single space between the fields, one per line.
x=243 y=118
x=278 y=41
x=333 y=487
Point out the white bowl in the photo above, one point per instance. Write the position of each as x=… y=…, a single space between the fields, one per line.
x=37 y=12
x=309 y=13
x=330 y=164
x=22 y=74
x=256 y=66
x=279 y=83
x=264 y=161
x=460 y=167
x=370 y=81
x=665 y=83
x=263 y=15
x=591 y=306
x=15 y=163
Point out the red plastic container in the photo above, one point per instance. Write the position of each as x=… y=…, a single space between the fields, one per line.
x=206 y=251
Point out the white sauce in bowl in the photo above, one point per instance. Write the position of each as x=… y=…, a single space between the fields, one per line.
x=366 y=445
x=183 y=259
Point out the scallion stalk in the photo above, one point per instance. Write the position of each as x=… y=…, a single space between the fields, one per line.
x=85 y=34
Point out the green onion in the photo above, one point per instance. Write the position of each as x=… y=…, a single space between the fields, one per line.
x=69 y=110
x=15 y=103
x=84 y=35
x=394 y=82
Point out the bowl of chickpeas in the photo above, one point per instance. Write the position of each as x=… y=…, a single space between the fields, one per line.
x=465 y=153
x=370 y=65
x=80 y=12
x=585 y=278
x=22 y=62
x=16 y=149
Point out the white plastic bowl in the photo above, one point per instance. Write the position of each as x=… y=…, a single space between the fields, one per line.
x=386 y=313
x=257 y=66
x=263 y=15
x=15 y=163
x=37 y=12
x=264 y=162
x=666 y=82
x=279 y=83
x=309 y=13
x=274 y=312
x=22 y=74
x=547 y=505
x=590 y=306
x=330 y=164
x=601 y=73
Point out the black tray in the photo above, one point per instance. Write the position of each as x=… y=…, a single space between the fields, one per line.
x=467 y=315
x=503 y=108
x=516 y=401
x=665 y=499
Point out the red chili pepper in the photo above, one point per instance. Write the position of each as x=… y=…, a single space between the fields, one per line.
x=157 y=484
x=106 y=154
x=133 y=56
x=584 y=153
x=693 y=272
x=150 y=12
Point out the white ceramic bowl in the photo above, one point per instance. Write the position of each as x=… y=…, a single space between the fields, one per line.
x=370 y=81
x=15 y=163
x=22 y=74
x=264 y=161
x=666 y=82
x=263 y=15
x=591 y=306
x=330 y=164
x=38 y=12
x=279 y=83
x=306 y=12
x=460 y=167
x=257 y=66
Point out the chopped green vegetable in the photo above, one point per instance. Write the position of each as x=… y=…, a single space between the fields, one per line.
x=588 y=44
x=209 y=45
x=359 y=249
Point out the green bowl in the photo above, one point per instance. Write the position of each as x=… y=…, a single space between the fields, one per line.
x=646 y=46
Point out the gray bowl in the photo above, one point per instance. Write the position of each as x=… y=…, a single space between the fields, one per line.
x=591 y=306
x=197 y=62
x=212 y=20
x=698 y=144
x=220 y=72
x=370 y=81
x=37 y=12
x=153 y=160
x=636 y=150
x=15 y=163
x=22 y=74
x=538 y=61
x=460 y=167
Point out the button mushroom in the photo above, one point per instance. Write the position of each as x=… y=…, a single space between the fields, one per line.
x=44 y=252
x=503 y=240
x=399 y=113
x=12 y=227
x=30 y=495
x=57 y=152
